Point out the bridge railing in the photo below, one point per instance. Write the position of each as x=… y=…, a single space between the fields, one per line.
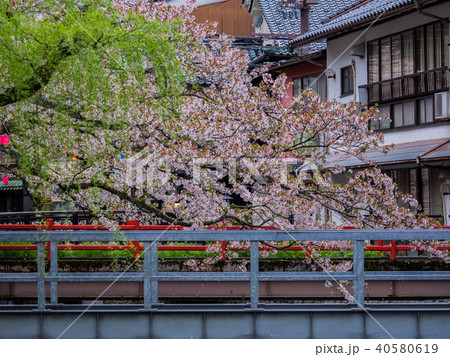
x=134 y=225
x=150 y=276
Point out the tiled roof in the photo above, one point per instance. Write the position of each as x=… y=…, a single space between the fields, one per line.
x=261 y=54
x=427 y=150
x=287 y=21
x=366 y=12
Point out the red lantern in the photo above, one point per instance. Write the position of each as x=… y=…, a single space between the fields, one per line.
x=4 y=139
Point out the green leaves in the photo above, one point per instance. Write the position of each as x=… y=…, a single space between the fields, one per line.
x=69 y=73
x=94 y=43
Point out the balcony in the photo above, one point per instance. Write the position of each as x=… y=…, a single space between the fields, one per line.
x=409 y=86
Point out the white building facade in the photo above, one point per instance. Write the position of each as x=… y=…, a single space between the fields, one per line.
x=395 y=54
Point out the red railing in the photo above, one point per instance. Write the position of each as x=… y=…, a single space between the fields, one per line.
x=135 y=246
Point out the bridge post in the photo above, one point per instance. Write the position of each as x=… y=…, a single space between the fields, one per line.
x=150 y=274
x=154 y=271
x=358 y=270
x=54 y=272
x=41 y=275
x=254 y=270
x=147 y=277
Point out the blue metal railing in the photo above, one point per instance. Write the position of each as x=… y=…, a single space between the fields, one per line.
x=151 y=276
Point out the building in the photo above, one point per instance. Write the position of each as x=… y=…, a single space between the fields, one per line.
x=230 y=17
x=13 y=197
x=394 y=54
x=283 y=21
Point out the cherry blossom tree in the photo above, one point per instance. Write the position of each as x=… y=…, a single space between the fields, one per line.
x=135 y=111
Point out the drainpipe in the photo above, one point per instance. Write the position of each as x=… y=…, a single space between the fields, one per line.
x=354 y=80
x=419 y=8
x=419 y=183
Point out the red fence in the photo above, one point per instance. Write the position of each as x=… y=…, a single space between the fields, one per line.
x=135 y=246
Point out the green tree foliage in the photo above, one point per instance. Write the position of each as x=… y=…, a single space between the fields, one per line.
x=79 y=65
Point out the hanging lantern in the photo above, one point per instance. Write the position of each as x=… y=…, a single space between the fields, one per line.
x=5 y=180
x=4 y=139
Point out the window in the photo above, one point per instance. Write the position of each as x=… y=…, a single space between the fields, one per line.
x=347 y=81
x=405 y=179
x=374 y=70
x=404 y=72
x=419 y=182
x=314 y=82
x=403 y=114
x=409 y=63
x=425 y=110
x=306 y=82
x=406 y=113
x=384 y=122
x=393 y=56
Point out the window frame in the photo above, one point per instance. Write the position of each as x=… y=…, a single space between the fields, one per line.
x=412 y=88
x=415 y=58
x=349 y=92
x=316 y=76
x=416 y=114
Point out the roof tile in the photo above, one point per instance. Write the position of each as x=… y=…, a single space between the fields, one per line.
x=282 y=20
x=365 y=11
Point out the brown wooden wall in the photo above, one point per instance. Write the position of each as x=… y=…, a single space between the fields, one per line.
x=231 y=18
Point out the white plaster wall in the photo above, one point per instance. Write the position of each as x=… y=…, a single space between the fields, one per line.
x=338 y=56
x=264 y=27
x=256 y=11
x=417 y=134
x=338 y=50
